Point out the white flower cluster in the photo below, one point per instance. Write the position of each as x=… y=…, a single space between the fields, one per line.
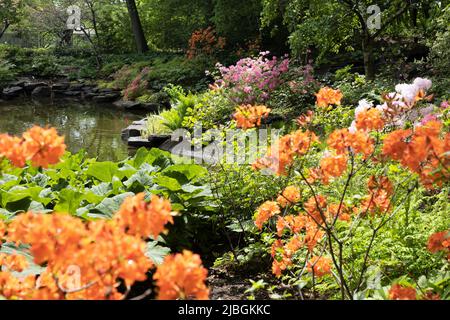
x=403 y=98
x=409 y=92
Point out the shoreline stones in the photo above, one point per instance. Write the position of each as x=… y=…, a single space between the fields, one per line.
x=41 y=92
x=12 y=92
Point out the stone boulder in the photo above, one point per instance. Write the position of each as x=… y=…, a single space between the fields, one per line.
x=41 y=92
x=12 y=92
x=72 y=93
x=30 y=86
x=132 y=131
x=128 y=104
x=105 y=98
x=60 y=86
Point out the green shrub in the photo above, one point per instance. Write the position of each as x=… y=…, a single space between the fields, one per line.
x=7 y=72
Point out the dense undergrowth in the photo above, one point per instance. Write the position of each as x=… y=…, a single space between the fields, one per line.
x=349 y=199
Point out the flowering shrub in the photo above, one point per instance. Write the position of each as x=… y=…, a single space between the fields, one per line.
x=252 y=80
x=250 y=116
x=89 y=260
x=137 y=87
x=440 y=241
x=205 y=42
x=311 y=223
x=182 y=276
x=327 y=97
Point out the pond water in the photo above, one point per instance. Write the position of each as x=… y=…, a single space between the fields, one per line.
x=94 y=128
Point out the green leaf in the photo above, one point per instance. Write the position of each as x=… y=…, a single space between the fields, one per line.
x=103 y=171
x=190 y=171
x=69 y=201
x=168 y=183
x=156 y=253
x=109 y=206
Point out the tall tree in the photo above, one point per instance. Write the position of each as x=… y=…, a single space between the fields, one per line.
x=9 y=14
x=141 y=42
x=330 y=25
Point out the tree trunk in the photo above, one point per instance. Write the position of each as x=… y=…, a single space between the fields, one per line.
x=369 y=62
x=141 y=42
x=5 y=27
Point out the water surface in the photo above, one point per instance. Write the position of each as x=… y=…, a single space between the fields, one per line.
x=94 y=128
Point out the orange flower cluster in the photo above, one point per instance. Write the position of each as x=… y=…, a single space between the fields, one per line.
x=285 y=150
x=101 y=251
x=369 y=120
x=204 y=41
x=399 y=292
x=318 y=208
x=248 y=116
x=303 y=230
x=321 y=266
x=13 y=262
x=86 y=260
x=328 y=96
x=422 y=151
x=305 y=119
x=287 y=251
x=379 y=199
x=43 y=147
x=332 y=167
x=344 y=141
x=305 y=234
x=182 y=276
x=291 y=195
x=440 y=241
x=2 y=229
x=266 y=211
x=145 y=219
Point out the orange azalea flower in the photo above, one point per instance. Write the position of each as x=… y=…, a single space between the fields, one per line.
x=278 y=268
x=431 y=296
x=283 y=253
x=422 y=151
x=313 y=235
x=267 y=210
x=294 y=244
x=369 y=120
x=182 y=276
x=101 y=250
x=105 y=253
x=2 y=230
x=13 y=262
x=305 y=119
x=289 y=196
x=145 y=219
x=343 y=141
x=249 y=116
x=275 y=246
x=315 y=207
x=395 y=143
x=320 y=265
x=333 y=166
x=399 y=292
x=344 y=212
x=379 y=198
x=11 y=148
x=293 y=223
x=15 y=288
x=284 y=151
x=43 y=146
x=327 y=96
x=439 y=241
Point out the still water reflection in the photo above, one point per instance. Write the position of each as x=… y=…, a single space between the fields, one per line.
x=86 y=126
